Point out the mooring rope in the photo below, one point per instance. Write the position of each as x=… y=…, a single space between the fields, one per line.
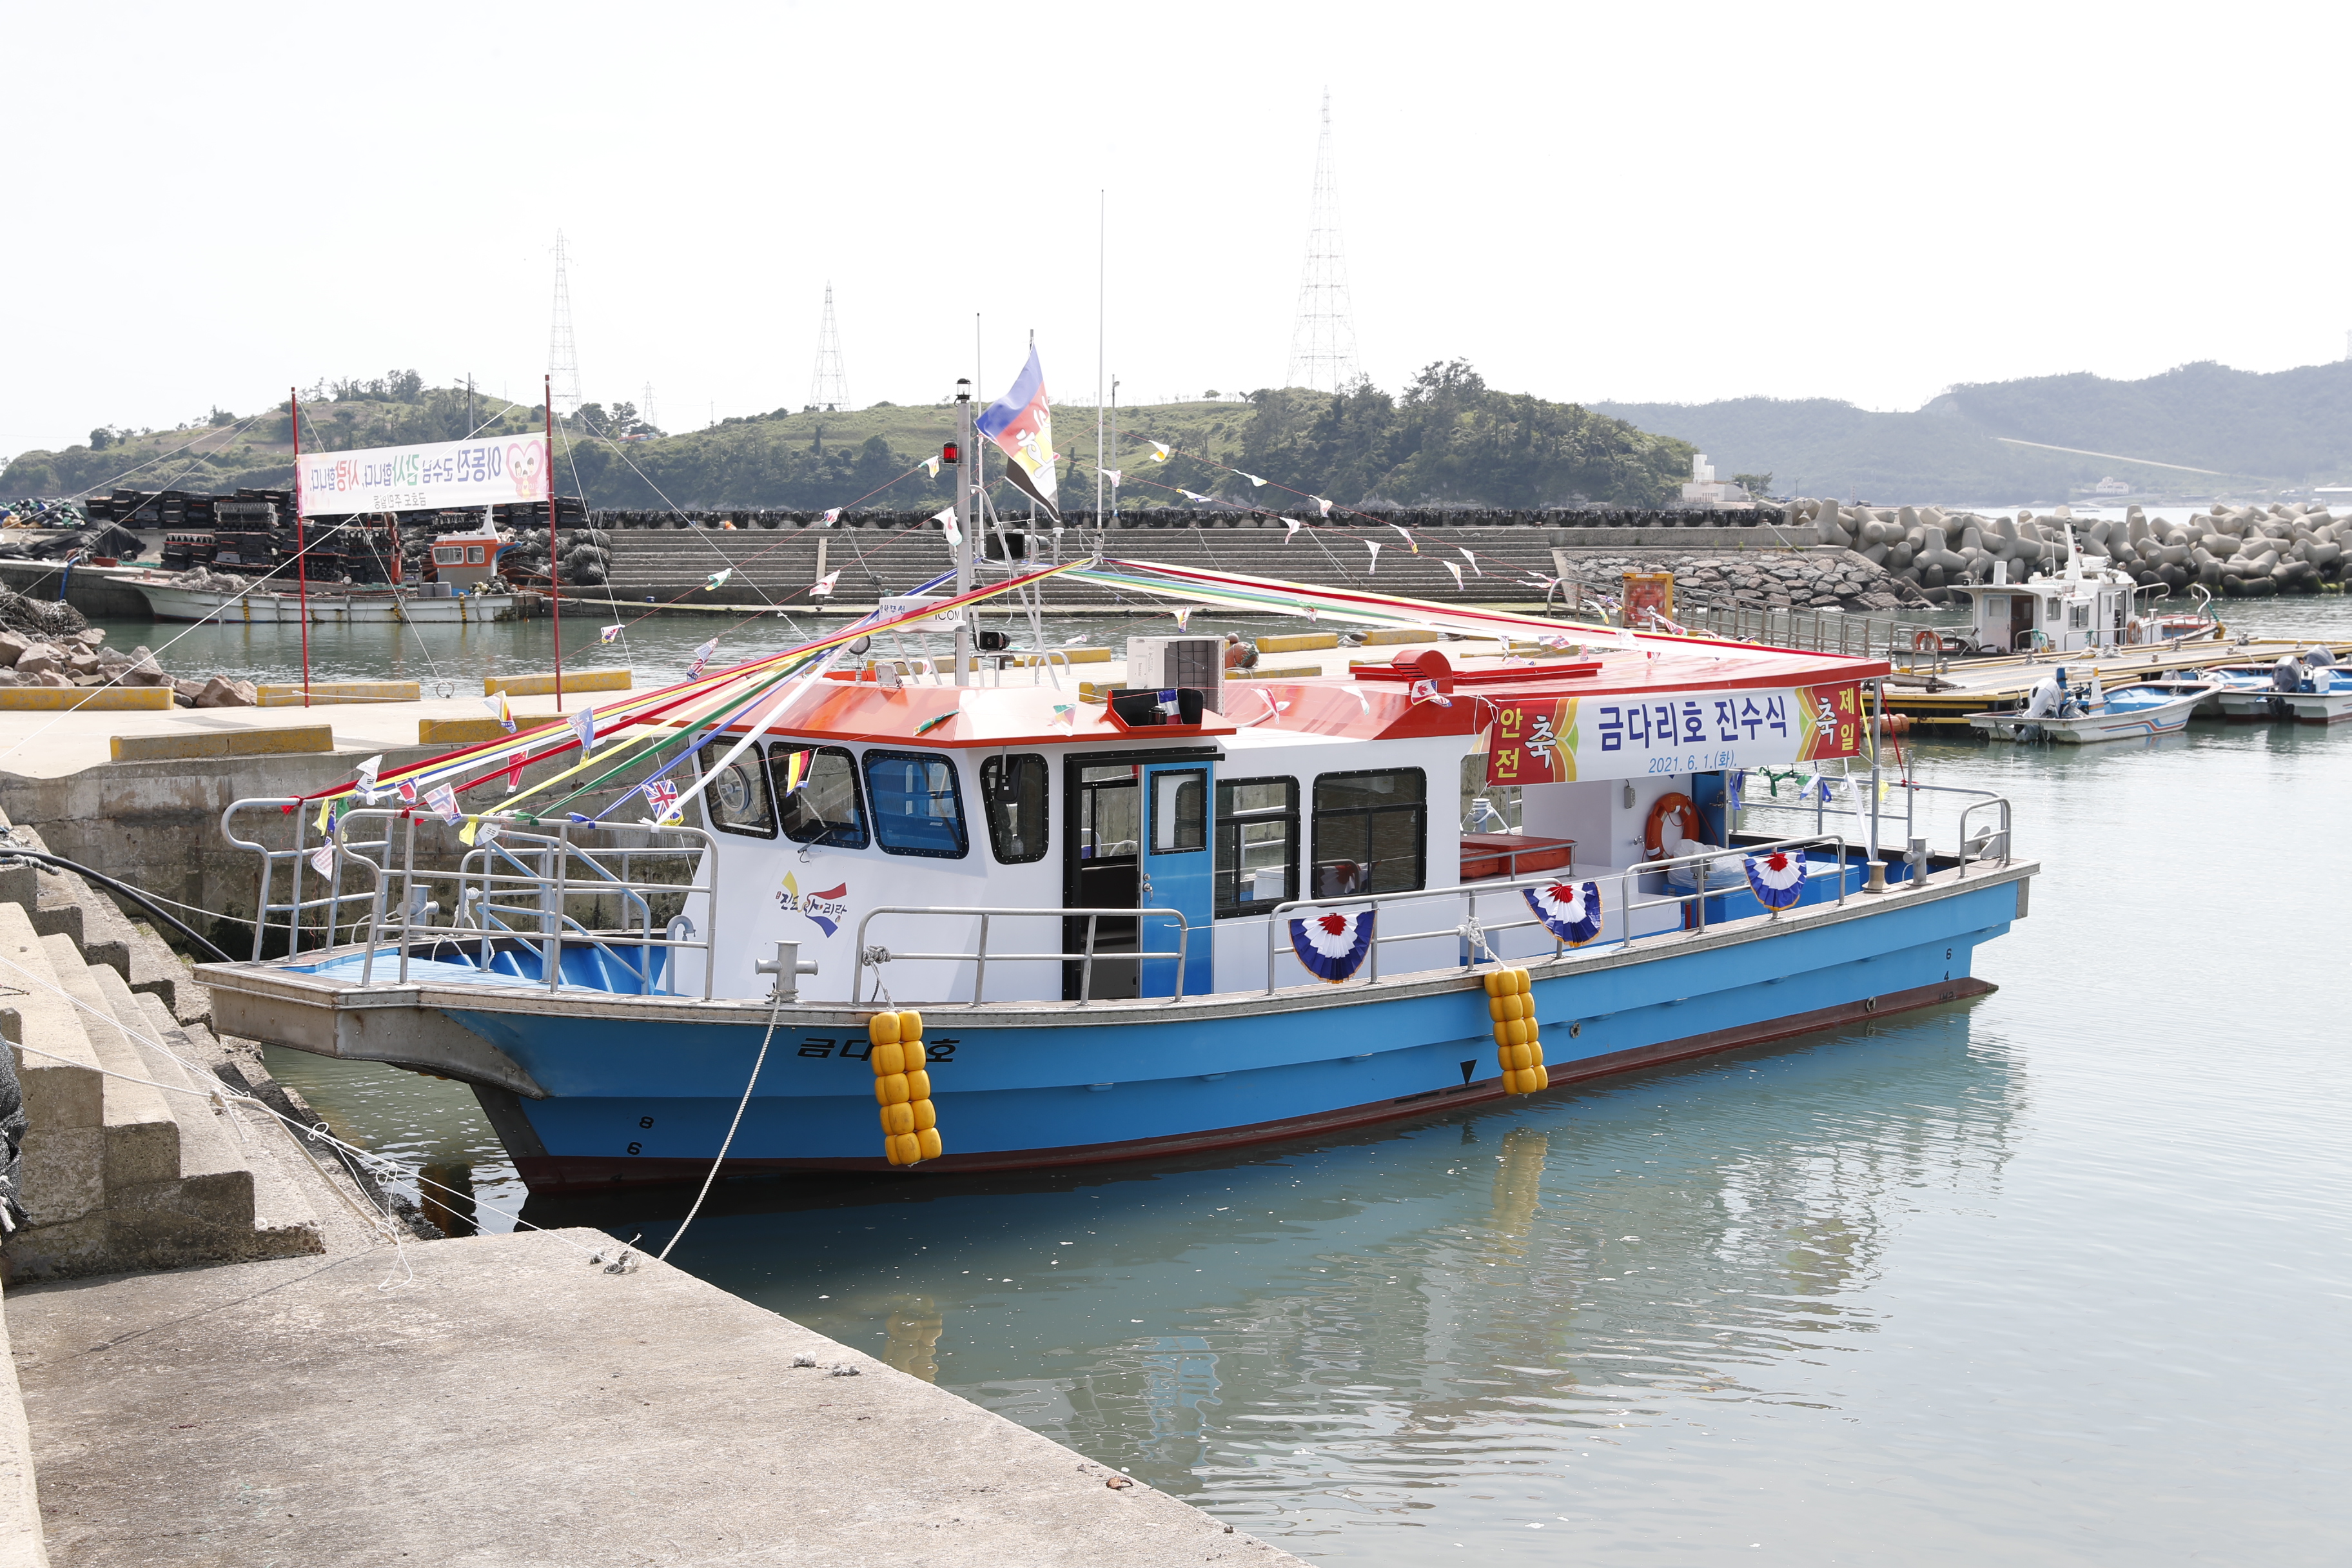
x=741 y=1106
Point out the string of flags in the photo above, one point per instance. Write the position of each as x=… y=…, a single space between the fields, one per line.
x=833 y=515
x=717 y=579
x=611 y=633
x=500 y=710
x=946 y=518
x=822 y=587
x=701 y=657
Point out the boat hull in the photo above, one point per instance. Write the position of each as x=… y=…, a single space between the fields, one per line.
x=168 y=603
x=646 y=1093
x=2091 y=729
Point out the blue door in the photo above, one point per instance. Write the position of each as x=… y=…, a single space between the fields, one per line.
x=1178 y=874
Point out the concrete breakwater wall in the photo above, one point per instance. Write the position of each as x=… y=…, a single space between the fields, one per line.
x=2249 y=552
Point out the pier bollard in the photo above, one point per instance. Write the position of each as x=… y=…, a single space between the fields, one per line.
x=1877 y=883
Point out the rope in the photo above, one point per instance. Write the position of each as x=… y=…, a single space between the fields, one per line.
x=741 y=1106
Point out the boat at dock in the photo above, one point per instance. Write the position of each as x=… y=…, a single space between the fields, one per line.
x=2318 y=695
x=336 y=603
x=2133 y=712
x=813 y=912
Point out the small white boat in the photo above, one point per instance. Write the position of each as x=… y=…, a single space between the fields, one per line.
x=2127 y=713
x=338 y=605
x=2323 y=695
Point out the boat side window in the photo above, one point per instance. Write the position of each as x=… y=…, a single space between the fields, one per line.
x=448 y=555
x=473 y=555
x=1012 y=794
x=1370 y=832
x=1108 y=825
x=917 y=805
x=736 y=799
x=818 y=787
x=2052 y=613
x=1257 y=844
x=1180 y=811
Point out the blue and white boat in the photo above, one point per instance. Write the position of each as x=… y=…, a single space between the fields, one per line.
x=1207 y=912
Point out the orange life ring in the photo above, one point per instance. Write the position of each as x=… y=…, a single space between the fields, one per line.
x=1678 y=806
x=1925 y=641
x=2132 y=629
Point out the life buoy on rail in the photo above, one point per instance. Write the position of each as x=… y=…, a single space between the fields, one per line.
x=1689 y=825
x=2134 y=629
x=1925 y=641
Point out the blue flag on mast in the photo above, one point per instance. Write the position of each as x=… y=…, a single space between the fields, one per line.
x=1022 y=423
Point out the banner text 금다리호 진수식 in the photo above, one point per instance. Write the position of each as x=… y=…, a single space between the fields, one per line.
x=1563 y=740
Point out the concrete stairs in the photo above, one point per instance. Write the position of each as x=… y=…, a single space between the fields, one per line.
x=119 y=1173
x=778 y=565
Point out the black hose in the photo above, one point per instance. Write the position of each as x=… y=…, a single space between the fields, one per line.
x=128 y=892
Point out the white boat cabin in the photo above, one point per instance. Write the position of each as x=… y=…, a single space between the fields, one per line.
x=2081 y=608
x=467 y=559
x=883 y=816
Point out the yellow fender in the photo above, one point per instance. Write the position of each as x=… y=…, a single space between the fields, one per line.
x=902 y=1087
x=1510 y=1002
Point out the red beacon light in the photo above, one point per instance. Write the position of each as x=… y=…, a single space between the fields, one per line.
x=951 y=453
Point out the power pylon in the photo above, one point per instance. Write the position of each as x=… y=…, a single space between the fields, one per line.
x=1323 y=344
x=563 y=358
x=829 y=384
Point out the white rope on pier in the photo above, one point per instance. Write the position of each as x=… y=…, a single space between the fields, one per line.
x=741 y=1106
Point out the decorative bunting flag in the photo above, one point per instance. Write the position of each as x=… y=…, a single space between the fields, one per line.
x=1374 y=546
x=822 y=587
x=946 y=519
x=1065 y=714
x=1159 y=450
x=1333 y=946
x=327 y=816
x=1256 y=483
x=1407 y=537
x=1290 y=527
x=1425 y=690
x=1113 y=476
x=933 y=722
x=1183 y=616
x=1778 y=877
x=1455 y=570
x=1472 y=558
x=444 y=802
x=606 y=634
x=407 y=790
x=367 y=771
x=831 y=518
x=516 y=762
x=795 y=772
x=322 y=859
x=932 y=463
x=1736 y=789
x=1569 y=910
x=500 y=710
x=701 y=657
x=583 y=725
x=717 y=579
x=1190 y=496
x=663 y=795
x=1321 y=505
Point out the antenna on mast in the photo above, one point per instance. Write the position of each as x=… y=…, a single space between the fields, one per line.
x=563 y=358
x=829 y=385
x=1323 y=344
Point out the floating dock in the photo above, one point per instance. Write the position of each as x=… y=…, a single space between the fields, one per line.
x=1940 y=698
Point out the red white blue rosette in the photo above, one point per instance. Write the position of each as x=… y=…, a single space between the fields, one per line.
x=1778 y=877
x=1569 y=910
x=1333 y=946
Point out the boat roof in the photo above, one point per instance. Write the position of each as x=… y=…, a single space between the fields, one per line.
x=1370 y=702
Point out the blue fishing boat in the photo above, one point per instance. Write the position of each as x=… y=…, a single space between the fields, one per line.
x=826 y=914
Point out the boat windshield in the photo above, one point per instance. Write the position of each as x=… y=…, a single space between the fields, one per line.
x=818 y=787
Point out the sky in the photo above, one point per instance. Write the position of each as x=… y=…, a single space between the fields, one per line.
x=1636 y=203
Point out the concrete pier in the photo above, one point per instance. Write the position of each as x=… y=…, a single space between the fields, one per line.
x=511 y=1401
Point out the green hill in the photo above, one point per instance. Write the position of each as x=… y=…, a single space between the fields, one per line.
x=1448 y=438
x=2287 y=429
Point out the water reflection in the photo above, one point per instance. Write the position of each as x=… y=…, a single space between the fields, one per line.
x=1363 y=1330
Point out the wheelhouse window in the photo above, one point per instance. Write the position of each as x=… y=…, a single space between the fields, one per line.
x=1180 y=811
x=818 y=788
x=1257 y=844
x=448 y=555
x=917 y=805
x=1106 y=824
x=736 y=799
x=1012 y=793
x=473 y=555
x=1371 y=832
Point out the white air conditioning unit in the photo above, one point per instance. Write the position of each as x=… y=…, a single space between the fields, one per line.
x=1163 y=664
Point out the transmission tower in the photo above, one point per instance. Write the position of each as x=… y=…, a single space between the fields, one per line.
x=563 y=359
x=829 y=384
x=1323 y=344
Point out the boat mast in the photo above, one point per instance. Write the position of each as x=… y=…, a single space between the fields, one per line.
x=1102 y=245
x=301 y=551
x=554 y=557
x=966 y=485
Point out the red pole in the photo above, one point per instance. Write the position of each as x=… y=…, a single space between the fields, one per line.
x=301 y=551
x=554 y=566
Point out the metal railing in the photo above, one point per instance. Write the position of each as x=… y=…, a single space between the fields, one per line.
x=1475 y=931
x=1995 y=845
x=521 y=891
x=1820 y=630
x=876 y=957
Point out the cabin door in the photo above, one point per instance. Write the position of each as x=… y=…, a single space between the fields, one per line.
x=2021 y=621
x=1139 y=839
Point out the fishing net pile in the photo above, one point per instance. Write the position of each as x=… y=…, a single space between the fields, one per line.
x=45 y=618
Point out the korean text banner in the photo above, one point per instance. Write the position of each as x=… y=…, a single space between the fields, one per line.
x=452 y=474
x=1562 y=740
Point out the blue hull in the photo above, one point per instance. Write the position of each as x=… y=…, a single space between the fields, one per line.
x=629 y=1102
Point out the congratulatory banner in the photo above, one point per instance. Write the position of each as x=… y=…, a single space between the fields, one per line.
x=1560 y=739
x=449 y=474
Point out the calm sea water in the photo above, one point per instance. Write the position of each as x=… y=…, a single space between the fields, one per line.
x=2061 y=1276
